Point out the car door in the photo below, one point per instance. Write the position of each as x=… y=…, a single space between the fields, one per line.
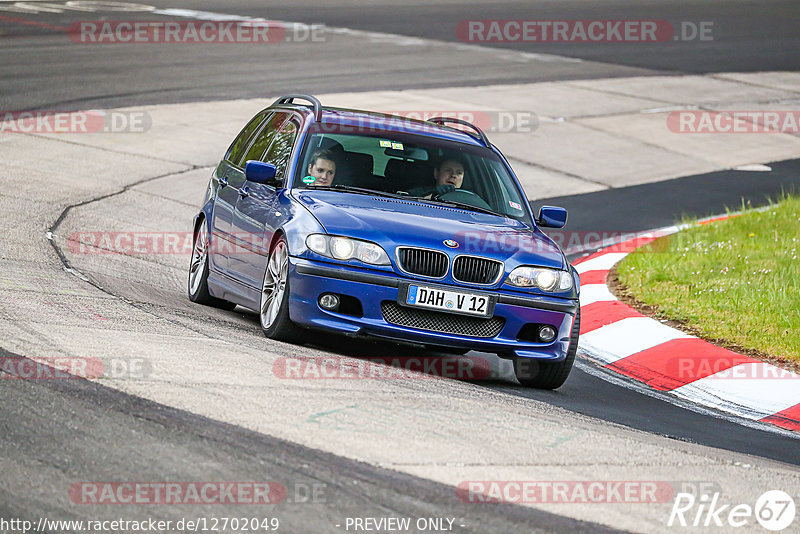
x=237 y=256
x=258 y=214
x=229 y=170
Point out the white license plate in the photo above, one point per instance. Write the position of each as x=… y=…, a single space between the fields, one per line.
x=452 y=301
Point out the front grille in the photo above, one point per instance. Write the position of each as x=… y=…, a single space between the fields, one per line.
x=474 y=270
x=446 y=323
x=423 y=262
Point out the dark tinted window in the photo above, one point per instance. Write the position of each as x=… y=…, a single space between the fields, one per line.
x=236 y=151
x=265 y=137
x=281 y=148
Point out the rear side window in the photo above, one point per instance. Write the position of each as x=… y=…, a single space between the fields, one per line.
x=281 y=148
x=240 y=144
x=265 y=137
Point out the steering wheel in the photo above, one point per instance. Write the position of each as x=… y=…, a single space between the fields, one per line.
x=467 y=197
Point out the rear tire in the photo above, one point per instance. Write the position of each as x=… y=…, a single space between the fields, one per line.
x=549 y=375
x=274 y=304
x=198 y=273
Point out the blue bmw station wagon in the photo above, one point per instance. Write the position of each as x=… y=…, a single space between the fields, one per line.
x=377 y=225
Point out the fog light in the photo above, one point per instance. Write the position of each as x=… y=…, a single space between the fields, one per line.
x=547 y=333
x=329 y=301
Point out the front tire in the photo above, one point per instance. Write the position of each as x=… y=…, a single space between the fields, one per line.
x=274 y=305
x=549 y=375
x=198 y=273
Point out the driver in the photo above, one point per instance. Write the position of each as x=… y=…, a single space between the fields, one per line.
x=449 y=172
x=322 y=169
x=448 y=176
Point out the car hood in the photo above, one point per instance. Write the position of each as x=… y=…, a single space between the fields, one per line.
x=394 y=222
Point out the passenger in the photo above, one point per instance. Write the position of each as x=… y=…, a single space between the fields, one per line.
x=322 y=169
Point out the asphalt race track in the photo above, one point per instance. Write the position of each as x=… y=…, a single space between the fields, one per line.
x=748 y=37
x=207 y=409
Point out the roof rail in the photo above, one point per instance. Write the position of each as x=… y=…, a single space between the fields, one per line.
x=287 y=99
x=480 y=137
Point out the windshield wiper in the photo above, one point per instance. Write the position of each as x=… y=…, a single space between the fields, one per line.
x=354 y=189
x=463 y=205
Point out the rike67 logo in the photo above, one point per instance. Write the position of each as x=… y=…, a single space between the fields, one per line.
x=774 y=510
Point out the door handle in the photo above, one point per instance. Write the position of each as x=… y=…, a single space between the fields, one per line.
x=244 y=192
x=222 y=181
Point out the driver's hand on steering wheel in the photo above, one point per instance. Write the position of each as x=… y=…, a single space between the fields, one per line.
x=440 y=190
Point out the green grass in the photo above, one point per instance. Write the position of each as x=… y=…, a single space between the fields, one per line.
x=737 y=280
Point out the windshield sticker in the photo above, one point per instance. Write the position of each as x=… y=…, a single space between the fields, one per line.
x=386 y=144
x=309 y=179
x=515 y=205
x=397 y=146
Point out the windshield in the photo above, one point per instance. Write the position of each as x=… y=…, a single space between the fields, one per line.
x=407 y=165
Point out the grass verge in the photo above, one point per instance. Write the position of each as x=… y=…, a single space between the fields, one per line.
x=736 y=280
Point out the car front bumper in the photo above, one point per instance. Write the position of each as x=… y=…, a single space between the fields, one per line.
x=309 y=279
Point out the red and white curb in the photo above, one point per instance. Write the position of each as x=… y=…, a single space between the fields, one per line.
x=626 y=342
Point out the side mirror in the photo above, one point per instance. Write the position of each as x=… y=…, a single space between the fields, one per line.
x=552 y=217
x=261 y=173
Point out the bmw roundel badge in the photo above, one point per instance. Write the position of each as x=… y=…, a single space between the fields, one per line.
x=450 y=243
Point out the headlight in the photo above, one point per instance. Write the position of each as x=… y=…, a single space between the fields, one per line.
x=345 y=248
x=371 y=253
x=342 y=248
x=541 y=277
x=318 y=243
